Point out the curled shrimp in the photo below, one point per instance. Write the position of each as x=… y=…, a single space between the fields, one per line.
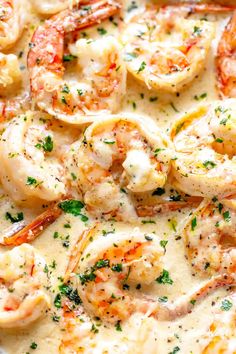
x=11 y=22
x=30 y=164
x=22 y=277
x=205 y=144
x=210 y=239
x=226 y=60
x=50 y=7
x=107 y=270
x=118 y=155
x=220 y=337
x=164 y=50
x=101 y=84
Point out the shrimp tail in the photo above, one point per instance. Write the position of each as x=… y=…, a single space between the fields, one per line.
x=186 y=303
x=33 y=230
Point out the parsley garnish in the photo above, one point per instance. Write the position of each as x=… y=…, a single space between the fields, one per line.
x=164 y=278
x=226 y=305
x=13 y=219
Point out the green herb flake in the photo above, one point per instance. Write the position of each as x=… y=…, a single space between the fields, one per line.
x=209 y=164
x=142 y=67
x=226 y=305
x=227 y=216
x=33 y=345
x=117 y=267
x=193 y=223
x=19 y=217
x=164 y=278
x=118 y=327
x=163 y=299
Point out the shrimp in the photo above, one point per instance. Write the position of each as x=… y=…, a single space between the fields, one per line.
x=220 y=337
x=20 y=233
x=50 y=7
x=11 y=107
x=10 y=74
x=22 y=278
x=210 y=238
x=226 y=60
x=101 y=84
x=108 y=273
x=138 y=335
x=118 y=155
x=11 y=22
x=205 y=144
x=30 y=166
x=165 y=51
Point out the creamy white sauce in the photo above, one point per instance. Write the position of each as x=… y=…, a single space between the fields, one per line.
x=184 y=332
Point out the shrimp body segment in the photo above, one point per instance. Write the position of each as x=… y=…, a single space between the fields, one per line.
x=101 y=72
x=29 y=167
x=210 y=238
x=22 y=297
x=226 y=60
x=11 y=22
x=165 y=51
x=205 y=144
x=118 y=155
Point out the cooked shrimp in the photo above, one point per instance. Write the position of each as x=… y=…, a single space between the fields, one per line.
x=11 y=107
x=111 y=267
x=164 y=50
x=118 y=152
x=11 y=22
x=22 y=278
x=101 y=84
x=50 y=7
x=226 y=60
x=221 y=334
x=210 y=238
x=20 y=233
x=139 y=335
x=205 y=143
x=29 y=167
x=10 y=74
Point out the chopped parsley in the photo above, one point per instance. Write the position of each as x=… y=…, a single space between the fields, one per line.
x=200 y=97
x=69 y=57
x=46 y=145
x=226 y=216
x=209 y=164
x=73 y=207
x=33 y=345
x=70 y=293
x=101 y=31
x=193 y=223
x=164 y=278
x=226 y=305
x=142 y=67
x=19 y=217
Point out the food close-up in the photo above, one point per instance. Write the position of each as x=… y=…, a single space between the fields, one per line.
x=117 y=177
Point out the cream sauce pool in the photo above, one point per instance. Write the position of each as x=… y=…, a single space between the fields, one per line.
x=181 y=335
